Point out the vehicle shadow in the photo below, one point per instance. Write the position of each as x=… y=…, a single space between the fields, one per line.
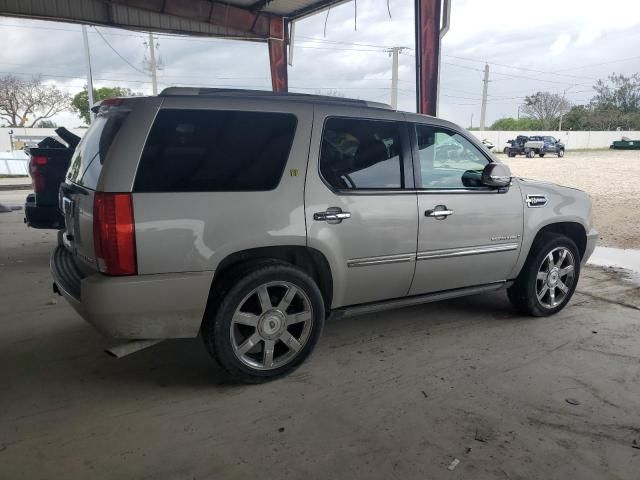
x=73 y=353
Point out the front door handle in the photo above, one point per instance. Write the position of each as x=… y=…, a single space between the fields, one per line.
x=439 y=212
x=332 y=215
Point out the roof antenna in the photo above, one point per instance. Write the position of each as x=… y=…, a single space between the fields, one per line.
x=389 y=9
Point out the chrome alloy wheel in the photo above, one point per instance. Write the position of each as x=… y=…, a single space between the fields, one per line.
x=555 y=278
x=271 y=325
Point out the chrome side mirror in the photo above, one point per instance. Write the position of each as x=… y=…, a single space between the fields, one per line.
x=496 y=175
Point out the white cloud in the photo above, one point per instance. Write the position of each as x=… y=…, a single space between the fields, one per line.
x=515 y=35
x=561 y=43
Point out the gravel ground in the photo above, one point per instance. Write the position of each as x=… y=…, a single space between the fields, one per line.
x=611 y=177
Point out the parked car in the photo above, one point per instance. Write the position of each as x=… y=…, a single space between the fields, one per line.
x=516 y=146
x=250 y=217
x=541 y=145
x=48 y=163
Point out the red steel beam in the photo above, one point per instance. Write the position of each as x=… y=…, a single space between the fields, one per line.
x=258 y=24
x=427 y=18
x=278 y=57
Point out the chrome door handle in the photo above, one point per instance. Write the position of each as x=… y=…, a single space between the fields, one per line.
x=332 y=215
x=439 y=212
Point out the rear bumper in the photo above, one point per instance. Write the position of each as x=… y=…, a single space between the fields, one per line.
x=592 y=240
x=39 y=216
x=136 y=307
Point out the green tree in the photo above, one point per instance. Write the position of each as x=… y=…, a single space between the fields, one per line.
x=511 y=124
x=619 y=93
x=80 y=102
x=46 y=124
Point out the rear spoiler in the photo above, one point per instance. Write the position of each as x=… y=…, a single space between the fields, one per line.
x=71 y=138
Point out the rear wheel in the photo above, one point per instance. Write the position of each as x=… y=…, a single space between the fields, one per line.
x=267 y=323
x=531 y=153
x=548 y=278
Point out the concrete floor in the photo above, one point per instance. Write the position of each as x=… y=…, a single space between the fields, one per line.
x=393 y=395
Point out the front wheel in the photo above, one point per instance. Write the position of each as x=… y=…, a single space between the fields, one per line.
x=548 y=278
x=267 y=323
x=561 y=153
x=531 y=153
x=541 y=155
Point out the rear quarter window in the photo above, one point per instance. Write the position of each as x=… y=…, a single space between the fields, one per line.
x=215 y=150
x=88 y=157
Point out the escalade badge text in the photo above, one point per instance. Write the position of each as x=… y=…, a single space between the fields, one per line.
x=505 y=237
x=536 y=200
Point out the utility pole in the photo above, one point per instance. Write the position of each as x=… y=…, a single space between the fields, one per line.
x=471 y=123
x=152 y=64
x=87 y=58
x=394 y=76
x=485 y=87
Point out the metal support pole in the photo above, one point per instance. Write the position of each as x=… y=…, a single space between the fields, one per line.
x=292 y=36
x=278 y=58
x=427 y=25
x=152 y=64
x=87 y=59
x=394 y=77
x=446 y=24
x=485 y=88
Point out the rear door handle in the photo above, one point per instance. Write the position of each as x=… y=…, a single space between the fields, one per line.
x=332 y=215
x=439 y=212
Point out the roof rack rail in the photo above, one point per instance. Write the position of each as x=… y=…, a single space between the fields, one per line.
x=195 y=91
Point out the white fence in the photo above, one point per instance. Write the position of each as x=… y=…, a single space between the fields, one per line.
x=14 y=163
x=572 y=140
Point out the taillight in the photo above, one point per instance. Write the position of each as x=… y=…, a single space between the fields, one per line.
x=114 y=234
x=37 y=178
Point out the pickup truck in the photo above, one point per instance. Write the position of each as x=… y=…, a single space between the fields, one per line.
x=48 y=164
x=541 y=145
x=516 y=146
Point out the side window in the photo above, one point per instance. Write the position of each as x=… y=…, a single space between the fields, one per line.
x=448 y=160
x=214 y=150
x=361 y=154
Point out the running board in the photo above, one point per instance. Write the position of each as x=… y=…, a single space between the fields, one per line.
x=367 y=308
x=128 y=348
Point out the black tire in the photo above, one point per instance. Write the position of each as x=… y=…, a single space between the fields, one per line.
x=505 y=150
x=531 y=153
x=511 y=154
x=216 y=328
x=541 y=155
x=523 y=293
x=561 y=153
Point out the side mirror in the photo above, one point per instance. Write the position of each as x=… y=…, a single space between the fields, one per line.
x=496 y=175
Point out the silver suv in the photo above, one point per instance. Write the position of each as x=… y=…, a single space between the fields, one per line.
x=249 y=217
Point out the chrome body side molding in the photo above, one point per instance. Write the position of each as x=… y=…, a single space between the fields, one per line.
x=462 y=252
x=367 y=308
x=365 y=261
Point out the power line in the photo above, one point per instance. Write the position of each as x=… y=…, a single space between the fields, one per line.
x=118 y=53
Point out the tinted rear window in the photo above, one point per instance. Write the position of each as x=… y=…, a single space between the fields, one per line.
x=89 y=155
x=213 y=150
